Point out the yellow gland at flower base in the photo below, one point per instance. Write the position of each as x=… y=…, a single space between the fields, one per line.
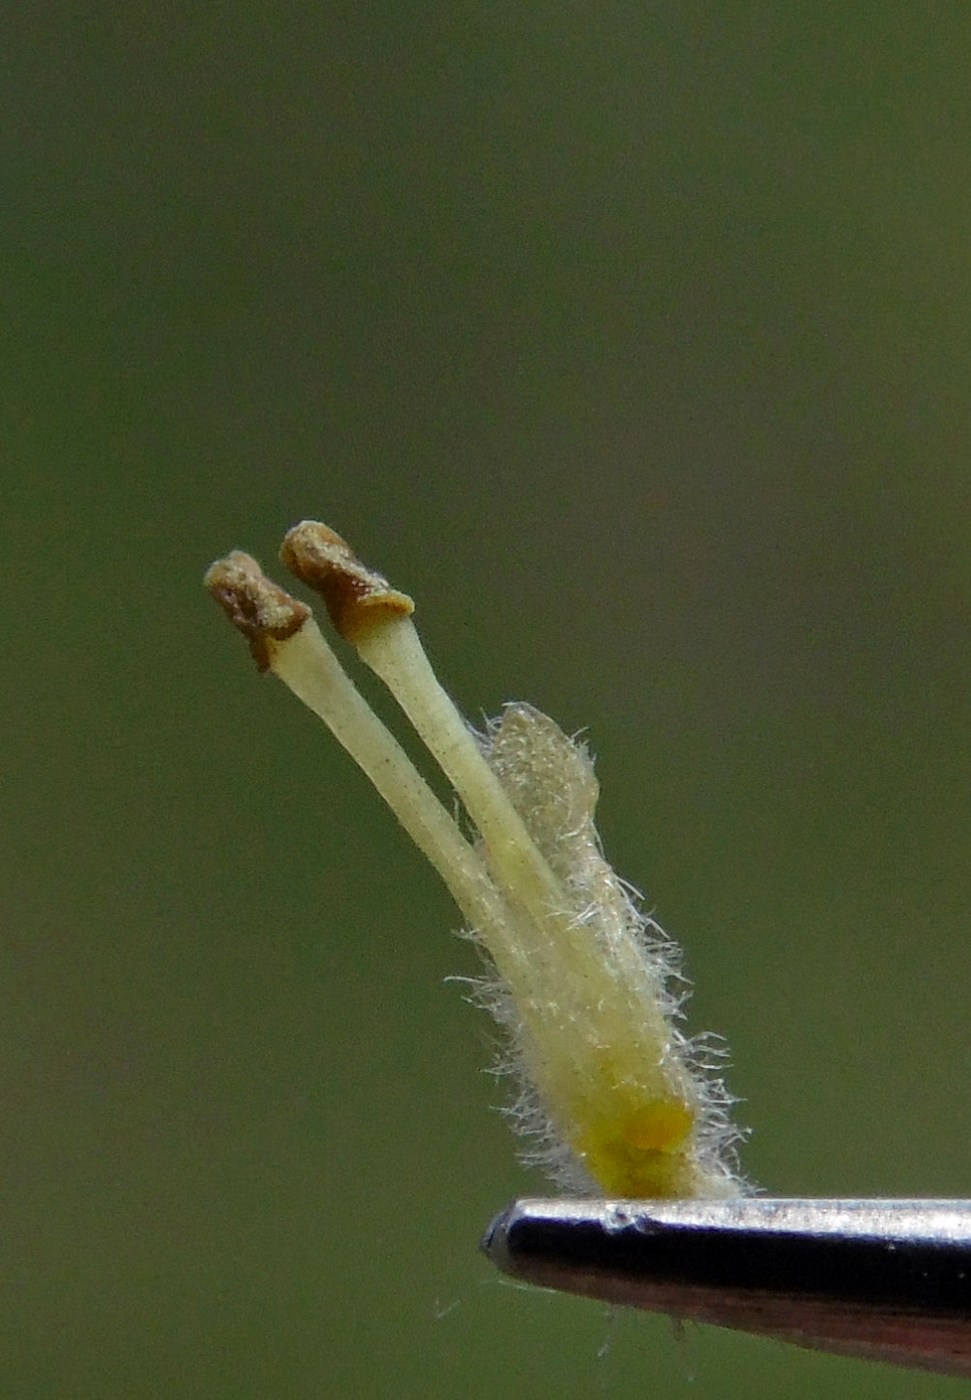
x=637 y=1153
x=612 y=1095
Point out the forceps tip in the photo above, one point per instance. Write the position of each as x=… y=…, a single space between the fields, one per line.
x=883 y=1279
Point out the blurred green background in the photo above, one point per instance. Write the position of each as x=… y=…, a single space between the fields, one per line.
x=635 y=342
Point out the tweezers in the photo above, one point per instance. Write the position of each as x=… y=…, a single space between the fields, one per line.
x=888 y=1280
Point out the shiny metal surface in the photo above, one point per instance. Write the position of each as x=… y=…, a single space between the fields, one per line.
x=888 y=1280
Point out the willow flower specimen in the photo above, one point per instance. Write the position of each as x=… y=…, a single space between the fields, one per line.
x=612 y=1096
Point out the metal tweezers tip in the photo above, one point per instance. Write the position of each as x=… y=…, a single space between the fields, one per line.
x=888 y=1280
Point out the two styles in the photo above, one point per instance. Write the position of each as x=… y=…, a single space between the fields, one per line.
x=612 y=1096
